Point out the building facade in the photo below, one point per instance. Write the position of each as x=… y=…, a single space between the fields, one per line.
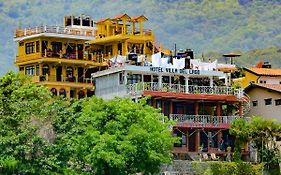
x=202 y=110
x=265 y=100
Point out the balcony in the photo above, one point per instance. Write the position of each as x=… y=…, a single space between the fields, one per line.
x=55 y=30
x=61 y=80
x=73 y=58
x=138 y=88
x=207 y=121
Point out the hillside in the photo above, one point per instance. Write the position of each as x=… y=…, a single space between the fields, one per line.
x=203 y=25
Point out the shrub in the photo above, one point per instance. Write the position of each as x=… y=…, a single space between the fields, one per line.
x=226 y=168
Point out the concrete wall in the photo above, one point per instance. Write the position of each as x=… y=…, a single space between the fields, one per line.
x=108 y=86
x=267 y=111
x=270 y=80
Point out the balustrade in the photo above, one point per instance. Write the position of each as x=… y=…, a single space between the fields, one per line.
x=192 y=89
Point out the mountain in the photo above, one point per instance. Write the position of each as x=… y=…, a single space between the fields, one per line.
x=203 y=25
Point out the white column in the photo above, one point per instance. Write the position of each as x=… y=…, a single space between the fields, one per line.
x=160 y=82
x=211 y=82
x=170 y=81
x=226 y=80
x=186 y=84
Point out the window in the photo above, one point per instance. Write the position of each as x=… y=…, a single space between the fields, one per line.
x=255 y=103
x=264 y=82
x=268 y=101
x=278 y=102
x=29 y=70
x=135 y=78
x=29 y=48
x=37 y=70
x=37 y=46
x=45 y=70
x=121 y=78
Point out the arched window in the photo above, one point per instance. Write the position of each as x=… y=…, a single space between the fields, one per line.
x=81 y=94
x=54 y=91
x=62 y=92
x=45 y=69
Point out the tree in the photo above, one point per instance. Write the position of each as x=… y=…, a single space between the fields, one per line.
x=24 y=109
x=262 y=134
x=117 y=137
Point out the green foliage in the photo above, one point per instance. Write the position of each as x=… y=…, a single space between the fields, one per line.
x=40 y=134
x=226 y=168
x=262 y=134
x=118 y=137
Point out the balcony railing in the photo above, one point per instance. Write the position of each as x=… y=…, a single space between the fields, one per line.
x=71 y=79
x=189 y=89
x=56 y=30
x=202 y=119
x=87 y=57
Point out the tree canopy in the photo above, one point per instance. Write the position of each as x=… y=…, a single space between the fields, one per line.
x=41 y=134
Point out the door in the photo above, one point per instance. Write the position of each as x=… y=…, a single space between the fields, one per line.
x=80 y=74
x=59 y=73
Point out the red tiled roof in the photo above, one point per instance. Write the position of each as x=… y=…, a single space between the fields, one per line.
x=264 y=71
x=274 y=87
x=121 y=16
x=102 y=20
x=138 y=17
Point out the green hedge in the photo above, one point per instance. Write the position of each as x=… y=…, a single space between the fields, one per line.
x=226 y=168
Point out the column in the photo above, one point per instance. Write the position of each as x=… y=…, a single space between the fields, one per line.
x=133 y=27
x=153 y=102
x=219 y=138
x=219 y=111
x=211 y=82
x=125 y=78
x=197 y=140
x=240 y=109
x=171 y=107
x=124 y=27
x=141 y=30
x=186 y=84
x=226 y=80
x=196 y=108
x=187 y=139
x=107 y=29
x=160 y=82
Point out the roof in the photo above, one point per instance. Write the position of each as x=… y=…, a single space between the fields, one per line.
x=264 y=71
x=137 y=18
x=232 y=55
x=272 y=87
x=122 y=16
x=102 y=20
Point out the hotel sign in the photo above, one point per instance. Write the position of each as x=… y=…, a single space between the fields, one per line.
x=172 y=70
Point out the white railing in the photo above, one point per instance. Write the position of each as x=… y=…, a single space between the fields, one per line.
x=202 y=119
x=190 y=89
x=54 y=29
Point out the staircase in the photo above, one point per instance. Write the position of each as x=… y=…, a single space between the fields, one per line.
x=246 y=105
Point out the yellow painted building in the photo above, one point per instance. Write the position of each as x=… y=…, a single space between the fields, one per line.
x=63 y=58
x=58 y=57
x=122 y=35
x=259 y=75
